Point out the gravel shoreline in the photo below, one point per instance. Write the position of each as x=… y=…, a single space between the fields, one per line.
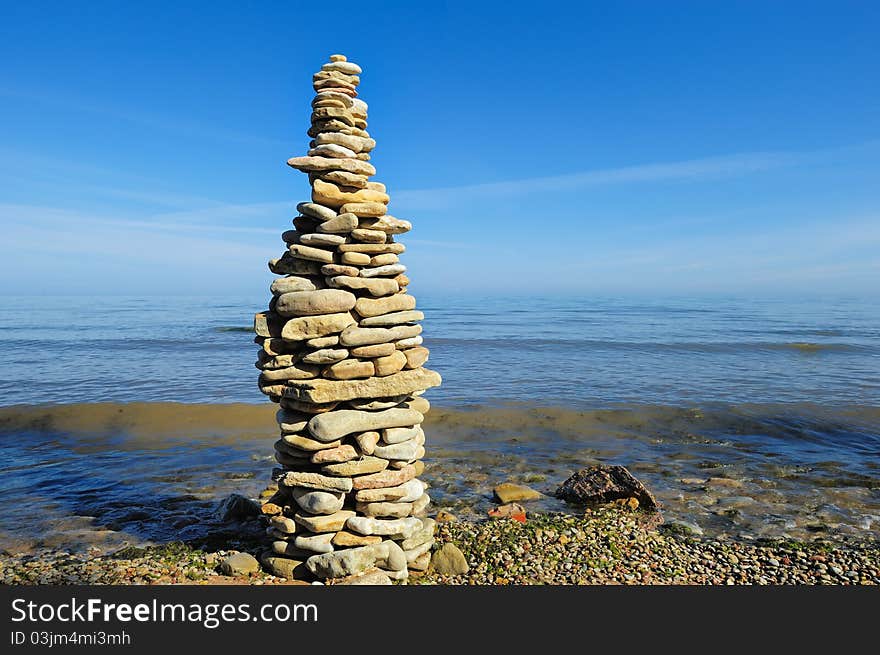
x=609 y=545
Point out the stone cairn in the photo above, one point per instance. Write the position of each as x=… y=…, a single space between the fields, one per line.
x=341 y=354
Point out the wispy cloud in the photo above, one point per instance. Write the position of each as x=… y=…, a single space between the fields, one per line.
x=695 y=169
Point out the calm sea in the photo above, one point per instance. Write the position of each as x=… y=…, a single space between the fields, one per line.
x=782 y=397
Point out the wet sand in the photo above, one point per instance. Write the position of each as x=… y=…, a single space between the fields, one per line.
x=104 y=475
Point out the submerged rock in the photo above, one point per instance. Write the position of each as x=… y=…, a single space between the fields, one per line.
x=605 y=484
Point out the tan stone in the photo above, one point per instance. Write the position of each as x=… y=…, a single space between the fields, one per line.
x=321 y=240
x=373 y=286
x=390 y=363
x=388 y=510
x=355 y=143
x=355 y=259
x=419 y=403
x=369 y=307
x=341 y=224
x=364 y=465
x=349 y=369
x=312 y=481
x=313 y=303
x=291 y=283
x=346 y=539
x=373 y=248
x=343 y=66
x=383 y=260
x=389 y=270
x=324 y=391
x=309 y=327
x=318 y=212
x=387 y=223
x=327 y=193
x=391 y=319
x=319 y=164
x=290 y=421
x=310 y=253
x=319 y=523
x=335 y=113
x=331 y=149
x=295 y=372
x=268 y=324
x=410 y=342
x=335 y=425
x=415 y=357
x=509 y=492
x=368 y=236
x=375 y=350
x=342 y=453
x=308 y=444
x=366 y=442
x=332 y=270
x=308 y=407
x=287 y=264
x=323 y=342
x=342 y=178
x=365 y=209
x=325 y=356
x=265 y=362
x=402 y=280
x=386 y=478
x=406 y=492
x=353 y=335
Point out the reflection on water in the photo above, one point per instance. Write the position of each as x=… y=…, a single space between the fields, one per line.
x=107 y=474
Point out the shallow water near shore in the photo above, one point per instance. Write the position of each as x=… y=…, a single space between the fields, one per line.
x=127 y=420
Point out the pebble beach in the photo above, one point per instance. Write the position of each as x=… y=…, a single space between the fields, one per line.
x=609 y=545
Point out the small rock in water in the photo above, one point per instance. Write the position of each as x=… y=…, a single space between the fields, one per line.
x=605 y=484
x=509 y=492
x=237 y=507
x=240 y=564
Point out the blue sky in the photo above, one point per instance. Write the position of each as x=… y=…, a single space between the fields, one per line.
x=656 y=147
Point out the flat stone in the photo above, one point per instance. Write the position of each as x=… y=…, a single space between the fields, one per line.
x=318 y=502
x=365 y=209
x=332 y=270
x=331 y=195
x=320 y=164
x=318 y=543
x=283 y=524
x=289 y=265
x=421 y=504
x=366 y=442
x=295 y=372
x=331 y=150
x=373 y=307
x=287 y=549
x=264 y=362
x=404 y=451
x=325 y=356
x=240 y=564
x=387 y=223
x=343 y=66
x=340 y=114
x=373 y=248
x=321 y=239
x=416 y=356
x=386 y=478
x=509 y=492
x=425 y=535
x=320 y=523
x=404 y=493
x=349 y=369
x=316 y=211
x=410 y=342
x=306 y=406
x=449 y=560
x=335 y=425
x=367 y=525
x=373 y=286
x=355 y=259
x=370 y=578
x=319 y=391
x=341 y=224
x=388 y=320
x=389 y=364
x=291 y=283
x=268 y=324
x=310 y=327
x=341 y=453
x=347 y=539
x=400 y=435
x=383 y=260
x=361 y=466
x=313 y=303
x=381 y=509
x=388 y=270
x=354 y=143
x=342 y=178
x=352 y=561
x=375 y=350
x=377 y=403
x=353 y=335
x=309 y=253
x=285 y=567
x=323 y=342
x=312 y=480
x=368 y=236
x=290 y=421
x=307 y=444
x=413 y=554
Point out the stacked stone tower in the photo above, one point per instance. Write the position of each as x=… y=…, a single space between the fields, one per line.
x=341 y=354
